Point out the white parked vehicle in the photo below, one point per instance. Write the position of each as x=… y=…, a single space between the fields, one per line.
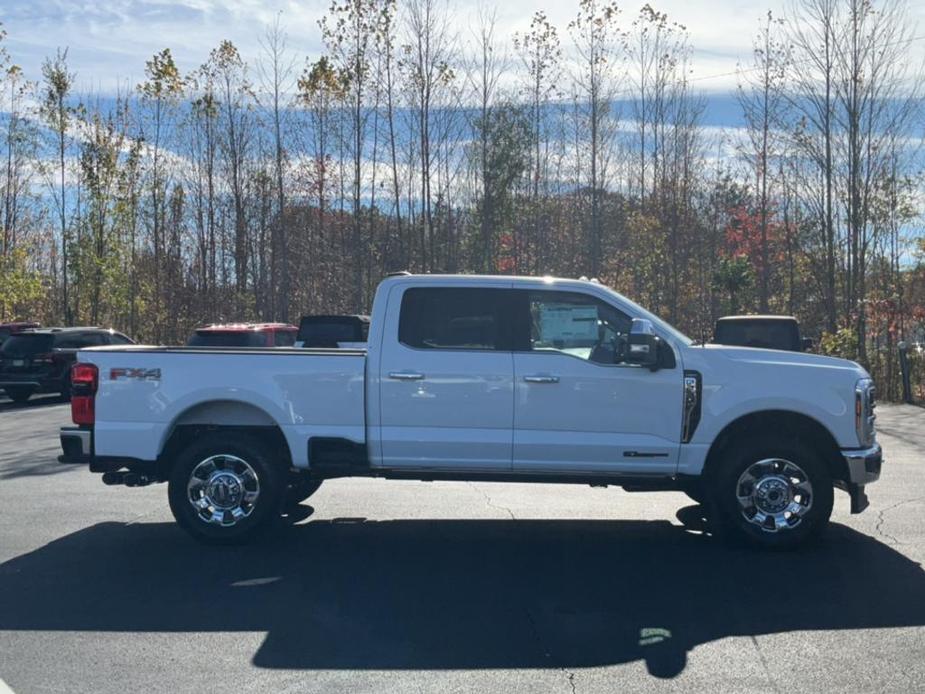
x=484 y=378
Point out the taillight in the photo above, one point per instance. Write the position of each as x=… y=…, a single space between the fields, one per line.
x=84 y=381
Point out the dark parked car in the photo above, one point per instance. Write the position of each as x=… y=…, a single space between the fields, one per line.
x=767 y=332
x=39 y=361
x=332 y=330
x=7 y=329
x=244 y=335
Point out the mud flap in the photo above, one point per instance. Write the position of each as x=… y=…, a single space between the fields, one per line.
x=859 y=500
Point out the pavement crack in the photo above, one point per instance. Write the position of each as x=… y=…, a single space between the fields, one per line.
x=764 y=664
x=881 y=518
x=490 y=503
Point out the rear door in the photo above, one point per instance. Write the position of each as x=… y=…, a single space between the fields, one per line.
x=446 y=379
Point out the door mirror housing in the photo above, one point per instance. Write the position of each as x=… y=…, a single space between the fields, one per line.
x=643 y=345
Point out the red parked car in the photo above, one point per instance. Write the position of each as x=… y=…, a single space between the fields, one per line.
x=244 y=335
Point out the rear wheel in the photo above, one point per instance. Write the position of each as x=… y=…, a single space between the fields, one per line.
x=771 y=493
x=19 y=394
x=225 y=489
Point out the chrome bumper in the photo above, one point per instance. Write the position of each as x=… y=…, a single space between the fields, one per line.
x=863 y=468
x=864 y=465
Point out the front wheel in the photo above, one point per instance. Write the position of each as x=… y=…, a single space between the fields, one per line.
x=224 y=489
x=772 y=494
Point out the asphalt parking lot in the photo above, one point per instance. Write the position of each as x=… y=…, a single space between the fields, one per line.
x=449 y=587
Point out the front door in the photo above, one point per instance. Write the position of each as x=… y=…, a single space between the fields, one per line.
x=446 y=381
x=578 y=407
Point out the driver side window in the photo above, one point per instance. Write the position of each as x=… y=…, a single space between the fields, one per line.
x=578 y=325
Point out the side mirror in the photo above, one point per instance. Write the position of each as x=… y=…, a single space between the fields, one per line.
x=642 y=347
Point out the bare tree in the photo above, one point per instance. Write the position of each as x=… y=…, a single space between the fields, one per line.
x=811 y=30
x=235 y=94
x=761 y=97
x=58 y=84
x=599 y=45
x=484 y=74
x=541 y=55
x=426 y=65
x=276 y=76
x=160 y=96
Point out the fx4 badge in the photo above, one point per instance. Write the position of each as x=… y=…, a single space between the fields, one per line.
x=137 y=374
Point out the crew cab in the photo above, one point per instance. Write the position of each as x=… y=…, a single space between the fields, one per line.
x=484 y=378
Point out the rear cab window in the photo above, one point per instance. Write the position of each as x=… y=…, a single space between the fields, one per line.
x=454 y=318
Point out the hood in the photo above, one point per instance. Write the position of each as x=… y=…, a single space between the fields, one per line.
x=718 y=354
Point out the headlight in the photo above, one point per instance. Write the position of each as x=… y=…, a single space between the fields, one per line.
x=864 y=417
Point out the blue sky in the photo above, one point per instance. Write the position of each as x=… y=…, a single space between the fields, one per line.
x=110 y=40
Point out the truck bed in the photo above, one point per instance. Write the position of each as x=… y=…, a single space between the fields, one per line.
x=144 y=392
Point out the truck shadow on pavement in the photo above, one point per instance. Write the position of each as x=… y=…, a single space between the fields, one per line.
x=460 y=594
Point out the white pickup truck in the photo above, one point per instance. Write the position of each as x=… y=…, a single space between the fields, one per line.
x=483 y=378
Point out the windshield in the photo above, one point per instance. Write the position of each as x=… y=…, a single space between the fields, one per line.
x=230 y=338
x=640 y=312
x=27 y=344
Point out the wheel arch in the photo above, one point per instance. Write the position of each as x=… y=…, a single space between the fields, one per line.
x=783 y=423
x=218 y=415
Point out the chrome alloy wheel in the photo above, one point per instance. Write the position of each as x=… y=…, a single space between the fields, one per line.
x=774 y=494
x=223 y=489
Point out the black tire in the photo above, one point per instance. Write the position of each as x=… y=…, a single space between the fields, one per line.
x=695 y=492
x=300 y=487
x=270 y=478
x=730 y=517
x=19 y=394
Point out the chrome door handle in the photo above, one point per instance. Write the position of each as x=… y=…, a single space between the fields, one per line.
x=541 y=379
x=405 y=375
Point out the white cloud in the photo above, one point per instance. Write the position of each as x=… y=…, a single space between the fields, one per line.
x=110 y=40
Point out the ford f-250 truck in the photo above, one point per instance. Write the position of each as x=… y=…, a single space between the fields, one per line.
x=483 y=378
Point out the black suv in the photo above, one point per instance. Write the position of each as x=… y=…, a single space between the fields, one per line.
x=39 y=361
